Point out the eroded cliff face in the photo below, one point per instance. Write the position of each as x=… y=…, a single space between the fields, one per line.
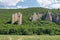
x=17 y=17
x=35 y=17
x=45 y=16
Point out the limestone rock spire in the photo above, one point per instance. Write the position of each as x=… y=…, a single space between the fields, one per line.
x=13 y=19
x=49 y=16
x=17 y=17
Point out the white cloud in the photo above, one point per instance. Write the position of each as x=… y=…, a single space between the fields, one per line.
x=10 y=2
x=55 y=6
x=22 y=0
x=51 y=3
x=14 y=7
x=19 y=6
x=22 y=6
x=45 y=2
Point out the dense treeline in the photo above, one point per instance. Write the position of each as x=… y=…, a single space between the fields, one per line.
x=39 y=27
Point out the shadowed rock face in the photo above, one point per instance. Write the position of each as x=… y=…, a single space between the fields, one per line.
x=54 y=18
x=58 y=18
x=51 y=17
x=44 y=16
x=17 y=17
x=47 y=16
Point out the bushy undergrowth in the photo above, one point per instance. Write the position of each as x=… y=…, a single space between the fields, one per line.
x=39 y=27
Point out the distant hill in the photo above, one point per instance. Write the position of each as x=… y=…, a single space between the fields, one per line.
x=28 y=27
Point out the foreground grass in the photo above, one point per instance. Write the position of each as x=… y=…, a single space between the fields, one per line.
x=40 y=37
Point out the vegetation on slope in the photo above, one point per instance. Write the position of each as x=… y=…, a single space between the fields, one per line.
x=28 y=28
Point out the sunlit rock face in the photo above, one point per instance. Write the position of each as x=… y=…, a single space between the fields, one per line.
x=17 y=18
x=35 y=17
x=13 y=19
x=49 y=16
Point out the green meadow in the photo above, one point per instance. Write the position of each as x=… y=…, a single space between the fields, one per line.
x=33 y=37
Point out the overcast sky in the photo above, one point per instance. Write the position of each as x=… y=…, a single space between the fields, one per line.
x=29 y=3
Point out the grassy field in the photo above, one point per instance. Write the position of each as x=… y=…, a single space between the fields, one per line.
x=19 y=37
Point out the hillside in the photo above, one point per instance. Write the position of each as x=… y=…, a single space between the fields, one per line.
x=28 y=27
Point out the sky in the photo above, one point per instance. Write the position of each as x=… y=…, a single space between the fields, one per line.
x=13 y=4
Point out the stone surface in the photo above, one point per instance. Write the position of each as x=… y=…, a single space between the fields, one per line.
x=35 y=16
x=49 y=16
x=13 y=18
x=58 y=18
x=17 y=17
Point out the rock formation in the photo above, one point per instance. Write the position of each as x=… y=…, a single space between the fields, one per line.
x=54 y=18
x=45 y=16
x=17 y=17
x=35 y=16
x=13 y=18
x=58 y=18
x=49 y=16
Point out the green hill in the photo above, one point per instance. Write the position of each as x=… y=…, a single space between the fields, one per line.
x=28 y=27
